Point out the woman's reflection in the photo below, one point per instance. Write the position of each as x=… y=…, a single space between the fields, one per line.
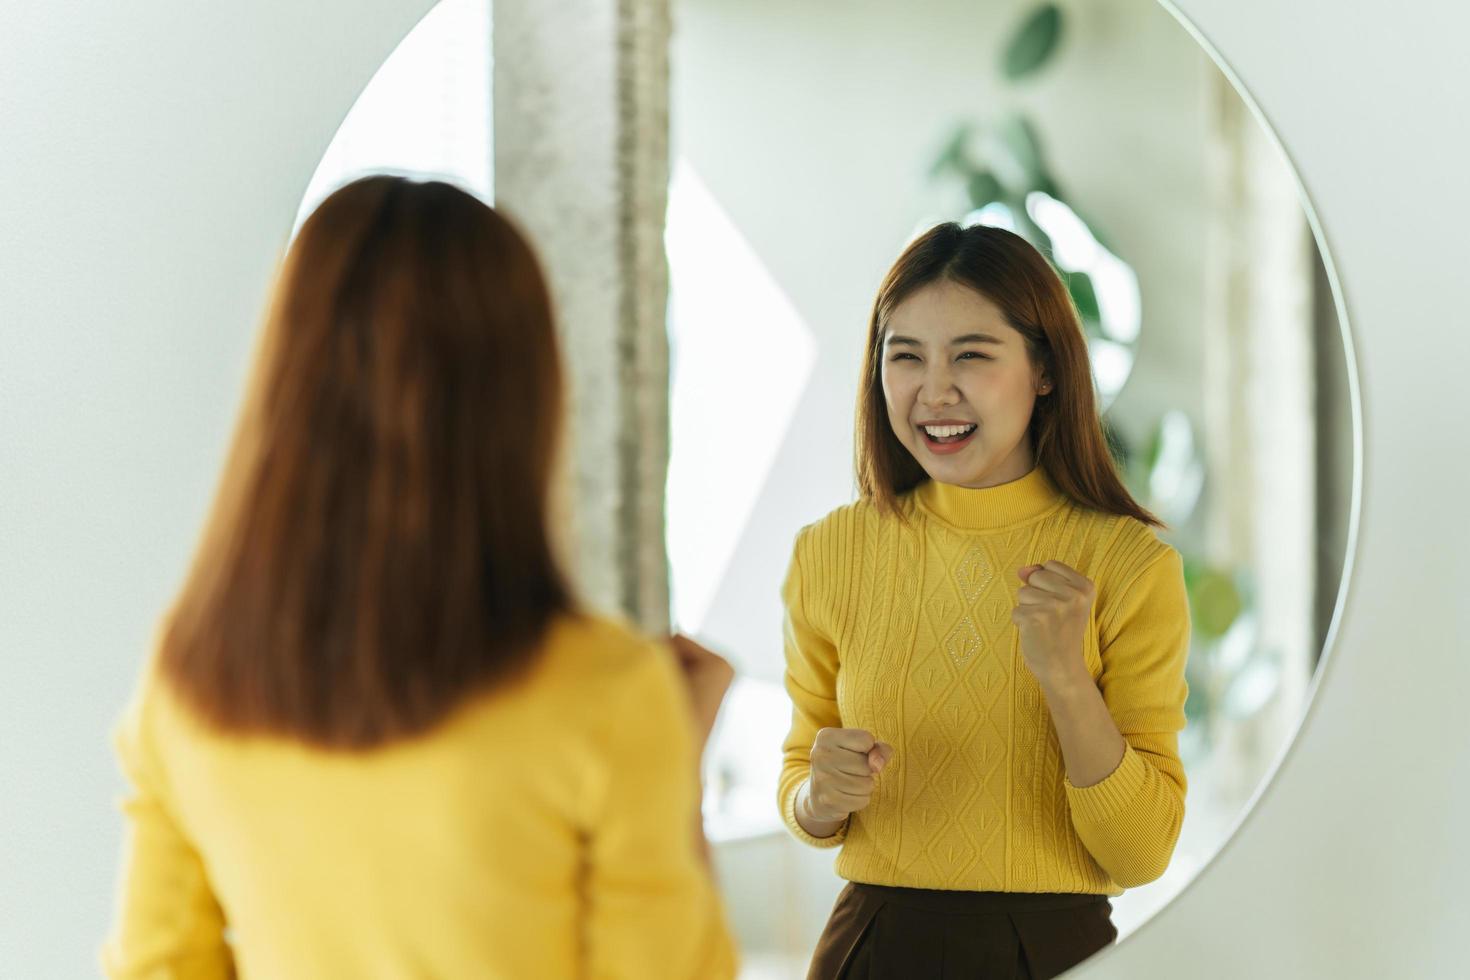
x=985 y=652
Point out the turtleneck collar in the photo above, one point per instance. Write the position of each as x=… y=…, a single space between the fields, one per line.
x=990 y=508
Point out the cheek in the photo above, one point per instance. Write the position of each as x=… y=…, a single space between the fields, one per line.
x=1002 y=395
x=896 y=395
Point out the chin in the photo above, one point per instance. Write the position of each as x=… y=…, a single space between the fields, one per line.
x=957 y=472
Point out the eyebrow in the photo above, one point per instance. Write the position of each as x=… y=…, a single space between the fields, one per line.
x=969 y=338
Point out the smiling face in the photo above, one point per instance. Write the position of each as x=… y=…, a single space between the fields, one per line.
x=960 y=385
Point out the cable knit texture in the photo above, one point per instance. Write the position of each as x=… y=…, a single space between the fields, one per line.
x=903 y=628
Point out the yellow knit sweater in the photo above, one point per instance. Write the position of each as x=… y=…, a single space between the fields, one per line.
x=905 y=630
x=544 y=829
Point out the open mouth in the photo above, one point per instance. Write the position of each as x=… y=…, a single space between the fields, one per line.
x=946 y=437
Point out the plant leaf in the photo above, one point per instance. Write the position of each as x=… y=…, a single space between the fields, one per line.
x=1033 y=43
x=984 y=188
x=1196 y=705
x=1079 y=284
x=953 y=156
x=1214 y=602
x=1021 y=140
x=1192 y=570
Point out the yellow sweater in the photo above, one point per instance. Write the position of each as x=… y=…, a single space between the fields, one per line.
x=905 y=631
x=543 y=830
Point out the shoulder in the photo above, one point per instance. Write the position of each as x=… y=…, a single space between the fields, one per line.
x=825 y=550
x=1132 y=564
x=618 y=689
x=157 y=709
x=1136 y=545
x=605 y=653
x=1120 y=547
x=841 y=528
x=1118 y=550
x=839 y=520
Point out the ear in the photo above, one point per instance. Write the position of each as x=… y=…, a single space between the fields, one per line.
x=1041 y=377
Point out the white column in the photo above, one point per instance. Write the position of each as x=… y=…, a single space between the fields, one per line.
x=581 y=162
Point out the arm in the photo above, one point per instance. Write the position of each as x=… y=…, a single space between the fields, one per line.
x=168 y=922
x=652 y=909
x=1129 y=814
x=707 y=677
x=1091 y=744
x=811 y=681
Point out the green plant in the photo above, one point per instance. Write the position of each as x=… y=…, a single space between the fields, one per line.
x=1230 y=675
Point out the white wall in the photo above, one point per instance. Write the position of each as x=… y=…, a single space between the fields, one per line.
x=153 y=157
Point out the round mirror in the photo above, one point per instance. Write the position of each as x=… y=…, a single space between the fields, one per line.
x=810 y=144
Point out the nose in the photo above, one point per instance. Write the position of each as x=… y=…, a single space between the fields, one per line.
x=938 y=389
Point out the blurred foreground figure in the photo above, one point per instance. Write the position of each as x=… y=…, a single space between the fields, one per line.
x=377 y=737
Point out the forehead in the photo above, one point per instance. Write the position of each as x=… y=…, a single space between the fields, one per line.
x=939 y=311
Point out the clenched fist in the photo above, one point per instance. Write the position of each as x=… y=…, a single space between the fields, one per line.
x=845 y=767
x=1051 y=614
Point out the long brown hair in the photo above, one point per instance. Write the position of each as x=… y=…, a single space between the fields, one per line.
x=1066 y=431
x=378 y=548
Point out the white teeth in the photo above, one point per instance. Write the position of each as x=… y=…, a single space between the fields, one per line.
x=943 y=431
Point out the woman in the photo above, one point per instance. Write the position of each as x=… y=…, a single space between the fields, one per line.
x=378 y=738
x=985 y=653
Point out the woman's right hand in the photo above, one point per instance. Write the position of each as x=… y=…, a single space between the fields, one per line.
x=845 y=767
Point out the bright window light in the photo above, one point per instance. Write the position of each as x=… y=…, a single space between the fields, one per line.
x=740 y=356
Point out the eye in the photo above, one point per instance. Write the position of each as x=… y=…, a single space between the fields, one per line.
x=976 y=355
x=901 y=355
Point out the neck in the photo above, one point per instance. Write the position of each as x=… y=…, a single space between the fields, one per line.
x=990 y=508
x=1012 y=468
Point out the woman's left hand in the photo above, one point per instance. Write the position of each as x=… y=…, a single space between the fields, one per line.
x=1052 y=614
x=707 y=676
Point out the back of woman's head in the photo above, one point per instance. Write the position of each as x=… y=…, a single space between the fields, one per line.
x=379 y=550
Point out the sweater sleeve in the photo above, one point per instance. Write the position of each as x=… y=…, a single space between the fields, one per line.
x=652 y=906
x=1130 y=821
x=168 y=921
x=811 y=681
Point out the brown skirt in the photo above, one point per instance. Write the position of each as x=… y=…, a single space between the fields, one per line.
x=878 y=932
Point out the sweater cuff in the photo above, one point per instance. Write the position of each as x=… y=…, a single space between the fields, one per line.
x=788 y=811
x=1102 y=801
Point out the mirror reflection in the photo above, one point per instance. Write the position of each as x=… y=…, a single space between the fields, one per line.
x=1104 y=136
